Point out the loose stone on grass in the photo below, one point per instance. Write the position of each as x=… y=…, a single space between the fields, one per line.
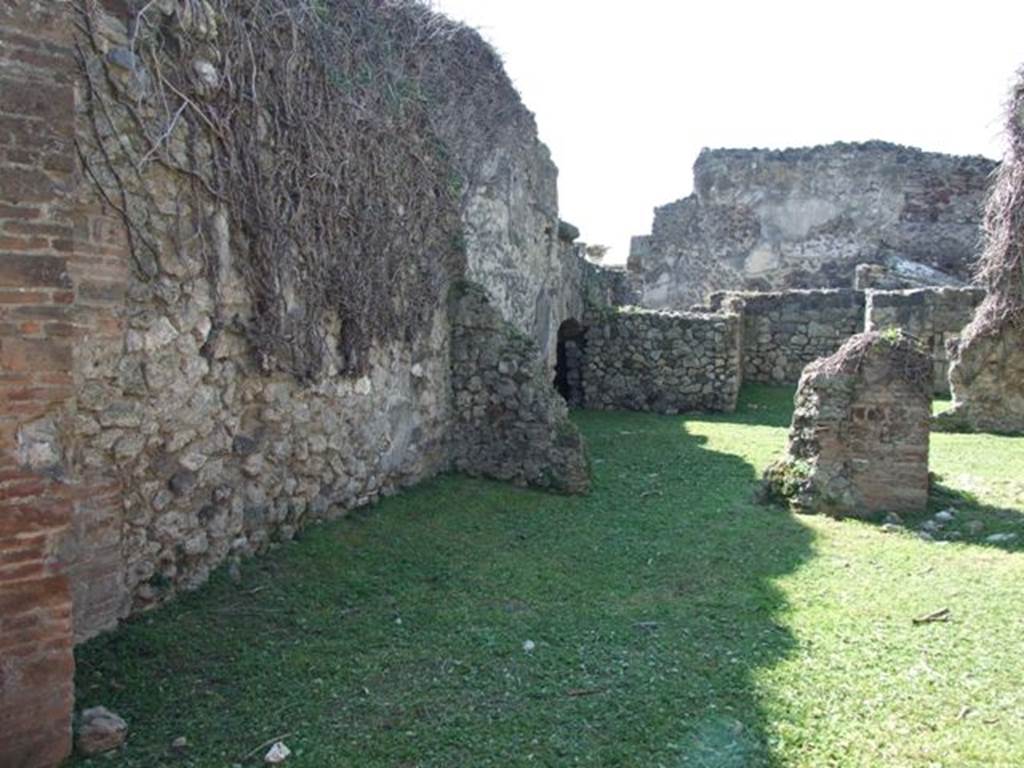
x=100 y=731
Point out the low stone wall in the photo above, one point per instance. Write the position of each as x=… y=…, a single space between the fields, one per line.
x=934 y=316
x=785 y=331
x=508 y=422
x=663 y=362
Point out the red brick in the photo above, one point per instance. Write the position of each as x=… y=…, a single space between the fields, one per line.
x=24 y=244
x=102 y=292
x=42 y=312
x=25 y=271
x=24 y=550
x=36 y=143
x=22 y=185
x=23 y=297
x=36 y=228
x=53 y=104
x=36 y=638
x=14 y=212
x=29 y=134
x=38 y=60
x=36 y=750
x=41 y=594
x=54 y=330
x=35 y=716
x=21 y=519
x=52 y=670
x=59 y=162
x=24 y=489
x=30 y=569
x=18 y=156
x=32 y=355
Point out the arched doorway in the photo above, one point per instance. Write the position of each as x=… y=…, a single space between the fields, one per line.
x=572 y=343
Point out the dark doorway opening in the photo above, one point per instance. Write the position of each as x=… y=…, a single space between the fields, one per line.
x=572 y=343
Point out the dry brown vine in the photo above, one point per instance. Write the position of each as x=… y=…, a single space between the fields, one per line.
x=336 y=134
x=1001 y=267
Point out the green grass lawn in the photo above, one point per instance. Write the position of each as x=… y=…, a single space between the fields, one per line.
x=674 y=623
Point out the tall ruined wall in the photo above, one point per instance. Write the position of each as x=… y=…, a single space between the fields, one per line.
x=508 y=191
x=214 y=441
x=219 y=322
x=216 y=407
x=804 y=218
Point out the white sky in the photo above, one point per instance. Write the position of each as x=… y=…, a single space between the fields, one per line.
x=627 y=93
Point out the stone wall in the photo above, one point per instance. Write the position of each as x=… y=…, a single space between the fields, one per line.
x=204 y=455
x=785 y=331
x=142 y=442
x=508 y=421
x=986 y=378
x=935 y=317
x=662 y=361
x=509 y=197
x=37 y=327
x=804 y=218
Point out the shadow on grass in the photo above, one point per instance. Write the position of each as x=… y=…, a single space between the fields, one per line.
x=471 y=623
x=974 y=522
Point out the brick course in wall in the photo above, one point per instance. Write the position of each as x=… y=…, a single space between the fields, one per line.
x=859 y=440
x=37 y=329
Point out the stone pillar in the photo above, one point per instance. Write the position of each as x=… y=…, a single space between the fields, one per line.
x=36 y=331
x=858 y=446
x=508 y=421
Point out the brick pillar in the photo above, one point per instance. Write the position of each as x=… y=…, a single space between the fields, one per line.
x=36 y=327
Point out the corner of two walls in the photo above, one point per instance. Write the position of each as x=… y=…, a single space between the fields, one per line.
x=140 y=443
x=508 y=421
x=185 y=454
x=664 y=362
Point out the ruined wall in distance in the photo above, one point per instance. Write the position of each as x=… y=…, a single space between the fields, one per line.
x=769 y=220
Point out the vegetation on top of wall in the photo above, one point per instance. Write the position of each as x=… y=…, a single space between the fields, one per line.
x=908 y=360
x=326 y=132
